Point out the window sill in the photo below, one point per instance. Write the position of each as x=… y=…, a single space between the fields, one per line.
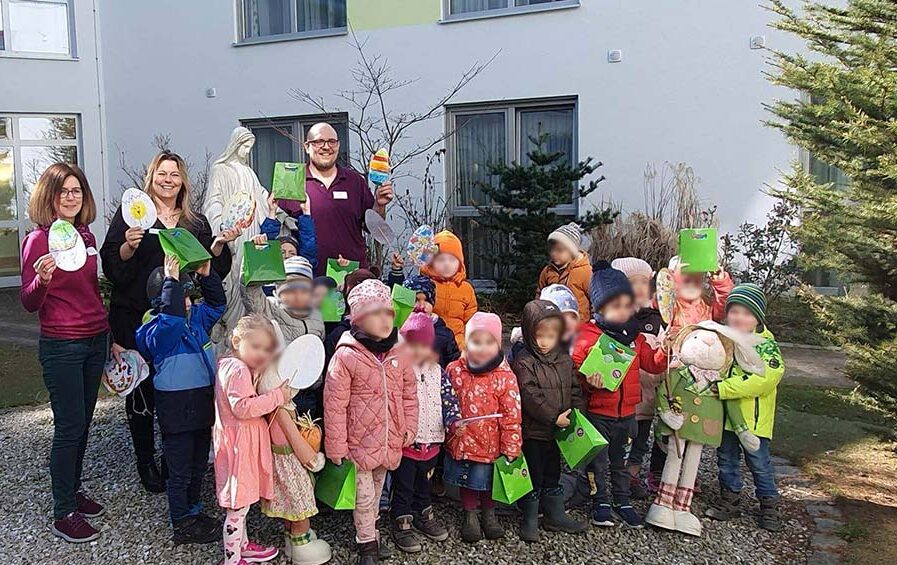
x=516 y=10
x=36 y=56
x=292 y=36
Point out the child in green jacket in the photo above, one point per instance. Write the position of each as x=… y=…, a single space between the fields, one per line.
x=756 y=396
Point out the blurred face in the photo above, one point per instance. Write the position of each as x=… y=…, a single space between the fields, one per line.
x=559 y=254
x=322 y=146
x=571 y=324
x=69 y=199
x=288 y=250
x=446 y=265
x=318 y=294
x=167 y=181
x=642 y=288
x=297 y=298
x=691 y=287
x=619 y=309
x=420 y=354
x=256 y=349
x=481 y=348
x=548 y=332
x=423 y=304
x=741 y=319
x=377 y=324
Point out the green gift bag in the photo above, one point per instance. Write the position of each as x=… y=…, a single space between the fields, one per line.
x=181 y=243
x=579 y=442
x=698 y=250
x=610 y=359
x=338 y=273
x=335 y=485
x=403 y=300
x=333 y=306
x=288 y=182
x=262 y=264
x=510 y=481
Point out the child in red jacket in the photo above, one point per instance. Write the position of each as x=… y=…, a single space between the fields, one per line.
x=486 y=388
x=613 y=412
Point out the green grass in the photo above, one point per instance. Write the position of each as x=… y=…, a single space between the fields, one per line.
x=20 y=376
x=840 y=404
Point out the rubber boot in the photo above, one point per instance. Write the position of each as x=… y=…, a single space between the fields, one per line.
x=367 y=553
x=726 y=507
x=491 y=527
x=470 y=528
x=556 y=519
x=529 y=526
x=769 y=514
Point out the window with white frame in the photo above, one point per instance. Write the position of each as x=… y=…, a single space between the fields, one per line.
x=28 y=145
x=41 y=27
x=283 y=139
x=467 y=8
x=490 y=134
x=282 y=19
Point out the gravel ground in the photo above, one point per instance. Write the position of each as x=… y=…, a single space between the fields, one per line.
x=135 y=528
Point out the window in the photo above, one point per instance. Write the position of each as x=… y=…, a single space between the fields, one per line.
x=288 y=19
x=41 y=27
x=28 y=145
x=463 y=9
x=499 y=133
x=282 y=139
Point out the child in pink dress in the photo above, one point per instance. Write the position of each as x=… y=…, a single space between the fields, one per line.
x=243 y=461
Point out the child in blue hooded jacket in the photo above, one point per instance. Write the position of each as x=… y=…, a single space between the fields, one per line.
x=175 y=340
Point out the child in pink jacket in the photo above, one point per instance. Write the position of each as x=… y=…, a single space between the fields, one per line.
x=693 y=304
x=370 y=399
x=243 y=463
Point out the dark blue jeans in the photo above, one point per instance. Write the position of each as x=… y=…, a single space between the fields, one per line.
x=618 y=432
x=72 y=369
x=187 y=458
x=728 y=460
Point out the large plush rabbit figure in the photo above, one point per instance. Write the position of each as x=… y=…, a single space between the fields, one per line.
x=693 y=411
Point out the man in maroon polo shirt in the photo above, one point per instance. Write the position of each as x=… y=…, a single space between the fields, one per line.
x=338 y=198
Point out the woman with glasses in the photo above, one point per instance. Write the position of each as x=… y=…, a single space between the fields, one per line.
x=74 y=338
x=129 y=255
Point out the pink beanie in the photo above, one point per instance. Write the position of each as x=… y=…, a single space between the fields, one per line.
x=486 y=322
x=633 y=267
x=369 y=296
x=418 y=328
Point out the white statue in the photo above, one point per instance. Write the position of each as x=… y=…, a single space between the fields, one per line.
x=235 y=198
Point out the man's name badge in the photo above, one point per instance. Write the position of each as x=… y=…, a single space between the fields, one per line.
x=340 y=195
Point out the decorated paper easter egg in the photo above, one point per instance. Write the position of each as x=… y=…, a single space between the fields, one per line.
x=378 y=168
x=666 y=295
x=138 y=209
x=66 y=246
x=421 y=247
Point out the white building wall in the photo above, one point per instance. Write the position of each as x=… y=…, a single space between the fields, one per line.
x=63 y=85
x=689 y=88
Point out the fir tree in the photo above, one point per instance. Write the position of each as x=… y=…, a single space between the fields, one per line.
x=847 y=118
x=520 y=213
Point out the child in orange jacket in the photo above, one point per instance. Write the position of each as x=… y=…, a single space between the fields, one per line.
x=568 y=265
x=456 y=302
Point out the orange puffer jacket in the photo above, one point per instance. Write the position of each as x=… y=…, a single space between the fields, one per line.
x=371 y=405
x=456 y=301
x=577 y=276
x=494 y=392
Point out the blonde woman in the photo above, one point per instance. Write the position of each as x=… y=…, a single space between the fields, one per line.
x=129 y=255
x=74 y=339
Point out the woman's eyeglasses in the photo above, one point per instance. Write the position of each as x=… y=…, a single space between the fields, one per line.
x=73 y=193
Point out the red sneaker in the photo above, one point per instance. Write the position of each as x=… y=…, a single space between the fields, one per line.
x=88 y=507
x=74 y=529
x=256 y=553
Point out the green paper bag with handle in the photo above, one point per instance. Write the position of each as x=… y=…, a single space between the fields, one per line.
x=403 y=300
x=338 y=273
x=579 y=442
x=288 y=182
x=262 y=264
x=698 y=250
x=183 y=245
x=510 y=481
x=335 y=485
x=607 y=363
x=333 y=306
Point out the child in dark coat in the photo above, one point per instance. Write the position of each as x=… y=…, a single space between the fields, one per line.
x=444 y=344
x=549 y=390
x=176 y=341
